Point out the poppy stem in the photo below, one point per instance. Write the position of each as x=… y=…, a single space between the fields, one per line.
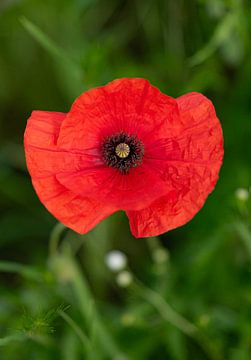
x=55 y=238
x=95 y=336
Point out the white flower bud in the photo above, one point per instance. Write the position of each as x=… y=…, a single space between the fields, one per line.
x=242 y=194
x=124 y=279
x=116 y=260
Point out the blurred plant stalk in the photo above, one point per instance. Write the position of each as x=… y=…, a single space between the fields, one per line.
x=97 y=339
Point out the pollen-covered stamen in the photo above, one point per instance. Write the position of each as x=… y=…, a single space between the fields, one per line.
x=122 y=151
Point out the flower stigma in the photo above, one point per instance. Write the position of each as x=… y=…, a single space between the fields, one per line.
x=122 y=150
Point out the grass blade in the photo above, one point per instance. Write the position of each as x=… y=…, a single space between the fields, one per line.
x=23 y=270
x=9 y=339
x=70 y=72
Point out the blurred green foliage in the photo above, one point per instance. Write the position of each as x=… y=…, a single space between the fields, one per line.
x=190 y=297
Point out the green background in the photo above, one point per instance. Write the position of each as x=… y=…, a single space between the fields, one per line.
x=190 y=297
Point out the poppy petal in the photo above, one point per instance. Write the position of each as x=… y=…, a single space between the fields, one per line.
x=44 y=160
x=133 y=106
x=131 y=191
x=192 y=169
x=42 y=152
x=78 y=213
x=130 y=105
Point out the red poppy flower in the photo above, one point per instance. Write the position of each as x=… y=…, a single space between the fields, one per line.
x=126 y=146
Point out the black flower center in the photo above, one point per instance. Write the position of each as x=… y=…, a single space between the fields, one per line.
x=122 y=151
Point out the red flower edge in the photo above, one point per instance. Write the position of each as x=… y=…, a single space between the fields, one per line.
x=167 y=162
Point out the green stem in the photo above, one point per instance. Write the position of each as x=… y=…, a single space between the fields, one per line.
x=55 y=238
x=9 y=339
x=23 y=270
x=78 y=331
x=165 y=310
x=177 y=320
x=89 y=312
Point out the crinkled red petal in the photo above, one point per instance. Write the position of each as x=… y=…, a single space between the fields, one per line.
x=132 y=106
x=45 y=161
x=192 y=161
